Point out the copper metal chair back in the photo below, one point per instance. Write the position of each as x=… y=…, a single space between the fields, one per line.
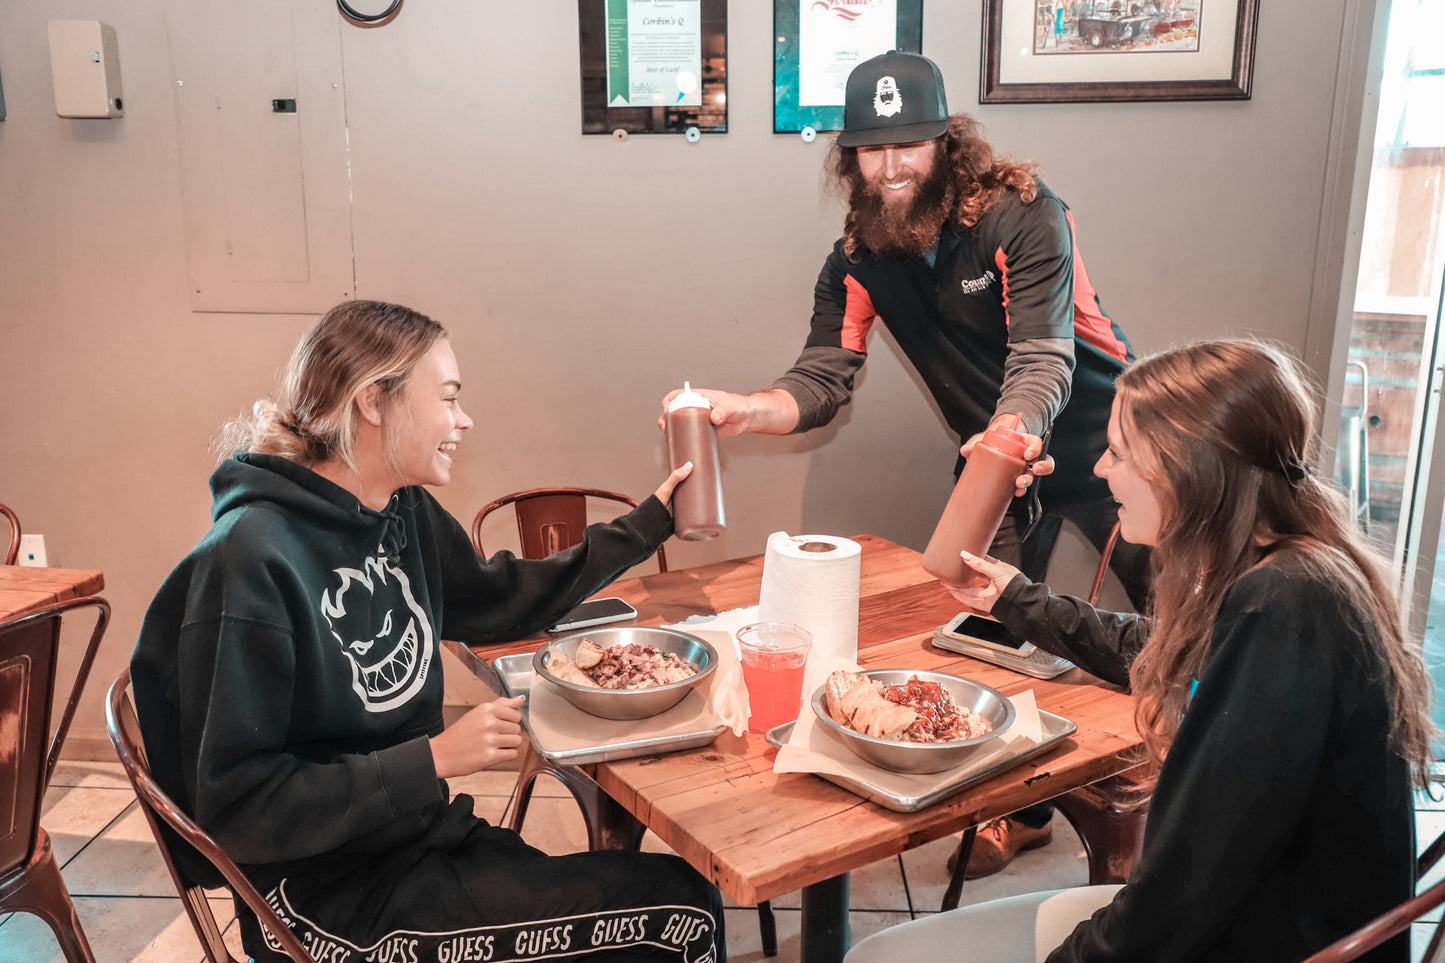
x=13 y=552
x=551 y=519
x=1109 y=815
x=172 y=827
x=29 y=655
x=1103 y=568
x=1396 y=920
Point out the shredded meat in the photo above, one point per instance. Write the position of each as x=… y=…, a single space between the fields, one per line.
x=940 y=718
x=633 y=666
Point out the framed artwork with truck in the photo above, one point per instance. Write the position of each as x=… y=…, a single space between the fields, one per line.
x=1083 y=51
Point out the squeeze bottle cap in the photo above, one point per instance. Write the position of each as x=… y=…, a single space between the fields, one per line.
x=1007 y=438
x=688 y=399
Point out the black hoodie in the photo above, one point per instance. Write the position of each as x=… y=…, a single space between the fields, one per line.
x=286 y=675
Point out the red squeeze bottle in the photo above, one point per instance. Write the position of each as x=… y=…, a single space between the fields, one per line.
x=978 y=503
x=697 y=504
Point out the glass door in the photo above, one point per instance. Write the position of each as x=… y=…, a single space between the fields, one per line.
x=1389 y=416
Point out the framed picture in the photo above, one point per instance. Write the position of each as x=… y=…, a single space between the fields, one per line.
x=654 y=66
x=1062 y=51
x=817 y=43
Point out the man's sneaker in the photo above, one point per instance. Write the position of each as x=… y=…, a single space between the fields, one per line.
x=997 y=842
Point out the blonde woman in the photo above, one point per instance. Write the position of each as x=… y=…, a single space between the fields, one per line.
x=289 y=691
x=1274 y=683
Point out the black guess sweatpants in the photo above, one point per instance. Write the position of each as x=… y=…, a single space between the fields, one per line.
x=469 y=891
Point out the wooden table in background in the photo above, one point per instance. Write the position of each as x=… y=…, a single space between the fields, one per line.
x=27 y=589
x=758 y=834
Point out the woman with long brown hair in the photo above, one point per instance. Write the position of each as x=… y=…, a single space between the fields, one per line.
x=1276 y=689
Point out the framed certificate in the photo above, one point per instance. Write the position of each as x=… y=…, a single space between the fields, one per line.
x=653 y=66
x=817 y=43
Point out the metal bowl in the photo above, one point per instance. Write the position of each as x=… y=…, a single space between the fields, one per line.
x=921 y=757
x=630 y=703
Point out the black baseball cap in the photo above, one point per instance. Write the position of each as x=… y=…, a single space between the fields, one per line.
x=894 y=98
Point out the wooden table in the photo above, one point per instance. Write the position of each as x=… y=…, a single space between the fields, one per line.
x=26 y=589
x=757 y=834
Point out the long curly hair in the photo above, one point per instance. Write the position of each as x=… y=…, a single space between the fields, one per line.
x=312 y=419
x=1222 y=430
x=980 y=178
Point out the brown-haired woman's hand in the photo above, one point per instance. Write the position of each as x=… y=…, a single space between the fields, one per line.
x=994 y=577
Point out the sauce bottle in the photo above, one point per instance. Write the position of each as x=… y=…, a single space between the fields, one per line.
x=976 y=508
x=697 y=503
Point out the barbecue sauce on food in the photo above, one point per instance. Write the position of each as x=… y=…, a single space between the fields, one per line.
x=939 y=717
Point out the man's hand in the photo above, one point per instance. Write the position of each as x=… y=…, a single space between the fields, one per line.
x=771 y=412
x=486 y=736
x=1032 y=462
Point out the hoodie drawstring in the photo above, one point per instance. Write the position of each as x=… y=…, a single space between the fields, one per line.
x=393 y=535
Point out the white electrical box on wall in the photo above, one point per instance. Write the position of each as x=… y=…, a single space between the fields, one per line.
x=32 y=551
x=85 y=68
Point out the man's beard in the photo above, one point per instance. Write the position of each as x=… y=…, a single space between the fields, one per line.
x=911 y=228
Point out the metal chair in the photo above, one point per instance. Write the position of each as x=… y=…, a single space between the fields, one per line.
x=1108 y=815
x=173 y=828
x=30 y=878
x=1397 y=920
x=551 y=519
x=13 y=552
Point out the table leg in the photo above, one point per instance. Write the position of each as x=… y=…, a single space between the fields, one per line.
x=955 y=882
x=825 y=921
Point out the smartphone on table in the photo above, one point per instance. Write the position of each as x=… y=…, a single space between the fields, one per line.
x=986 y=638
x=595 y=612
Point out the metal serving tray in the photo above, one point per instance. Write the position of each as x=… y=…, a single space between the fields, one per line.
x=1055 y=728
x=515 y=673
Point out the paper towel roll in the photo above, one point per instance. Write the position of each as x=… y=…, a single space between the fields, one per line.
x=813 y=580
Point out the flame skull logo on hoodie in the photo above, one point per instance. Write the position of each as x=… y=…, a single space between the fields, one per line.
x=382 y=631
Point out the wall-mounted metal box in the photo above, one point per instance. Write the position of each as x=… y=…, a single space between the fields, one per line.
x=261 y=128
x=85 y=68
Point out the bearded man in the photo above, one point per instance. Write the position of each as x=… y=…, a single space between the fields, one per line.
x=972 y=264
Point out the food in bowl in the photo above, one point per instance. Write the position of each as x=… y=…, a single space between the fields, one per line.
x=917 y=710
x=625 y=665
x=624 y=704
x=899 y=755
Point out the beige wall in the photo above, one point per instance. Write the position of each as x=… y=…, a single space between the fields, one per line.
x=581 y=277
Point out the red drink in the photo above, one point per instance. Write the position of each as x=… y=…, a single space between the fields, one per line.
x=775 y=688
x=774 y=655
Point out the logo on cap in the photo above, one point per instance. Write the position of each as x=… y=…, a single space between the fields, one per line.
x=887 y=100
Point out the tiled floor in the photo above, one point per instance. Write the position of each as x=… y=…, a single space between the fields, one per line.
x=130 y=911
